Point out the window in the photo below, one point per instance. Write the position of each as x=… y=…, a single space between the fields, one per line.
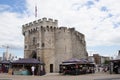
x=25 y=46
x=34 y=40
x=43 y=45
x=34 y=54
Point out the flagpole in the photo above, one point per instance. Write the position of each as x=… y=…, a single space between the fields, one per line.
x=36 y=15
x=35 y=11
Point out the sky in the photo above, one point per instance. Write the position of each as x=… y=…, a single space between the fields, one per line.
x=98 y=20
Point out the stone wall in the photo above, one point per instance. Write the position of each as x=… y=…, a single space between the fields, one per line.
x=79 y=45
x=62 y=46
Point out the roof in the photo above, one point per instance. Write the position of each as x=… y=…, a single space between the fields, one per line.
x=5 y=62
x=74 y=60
x=27 y=61
x=115 y=60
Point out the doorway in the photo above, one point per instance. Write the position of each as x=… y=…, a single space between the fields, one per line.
x=51 y=68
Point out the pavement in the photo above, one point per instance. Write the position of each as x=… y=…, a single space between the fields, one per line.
x=109 y=79
x=57 y=76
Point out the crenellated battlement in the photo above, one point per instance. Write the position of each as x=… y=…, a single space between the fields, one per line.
x=44 y=22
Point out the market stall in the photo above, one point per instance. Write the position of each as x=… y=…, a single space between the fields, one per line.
x=114 y=66
x=76 y=66
x=23 y=67
x=4 y=66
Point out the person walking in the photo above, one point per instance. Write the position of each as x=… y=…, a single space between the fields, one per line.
x=33 y=69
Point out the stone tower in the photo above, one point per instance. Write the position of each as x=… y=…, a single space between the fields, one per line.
x=44 y=40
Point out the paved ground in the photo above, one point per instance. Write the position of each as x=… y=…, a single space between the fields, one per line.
x=109 y=79
x=56 y=76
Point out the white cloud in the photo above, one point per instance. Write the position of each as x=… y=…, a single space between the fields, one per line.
x=10 y=33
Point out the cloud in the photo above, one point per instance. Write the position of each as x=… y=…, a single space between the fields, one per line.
x=11 y=29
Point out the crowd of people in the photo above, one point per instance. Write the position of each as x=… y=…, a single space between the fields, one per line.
x=102 y=69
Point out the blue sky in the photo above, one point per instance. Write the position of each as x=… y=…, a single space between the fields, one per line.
x=14 y=5
x=99 y=20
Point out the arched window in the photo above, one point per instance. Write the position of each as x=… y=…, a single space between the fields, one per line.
x=47 y=26
x=43 y=45
x=51 y=28
x=25 y=46
x=41 y=27
x=34 y=40
x=34 y=55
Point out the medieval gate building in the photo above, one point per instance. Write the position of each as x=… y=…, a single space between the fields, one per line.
x=44 y=40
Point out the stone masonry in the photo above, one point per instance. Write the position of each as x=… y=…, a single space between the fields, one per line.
x=44 y=40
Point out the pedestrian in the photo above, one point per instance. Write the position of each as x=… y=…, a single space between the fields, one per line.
x=98 y=69
x=33 y=69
